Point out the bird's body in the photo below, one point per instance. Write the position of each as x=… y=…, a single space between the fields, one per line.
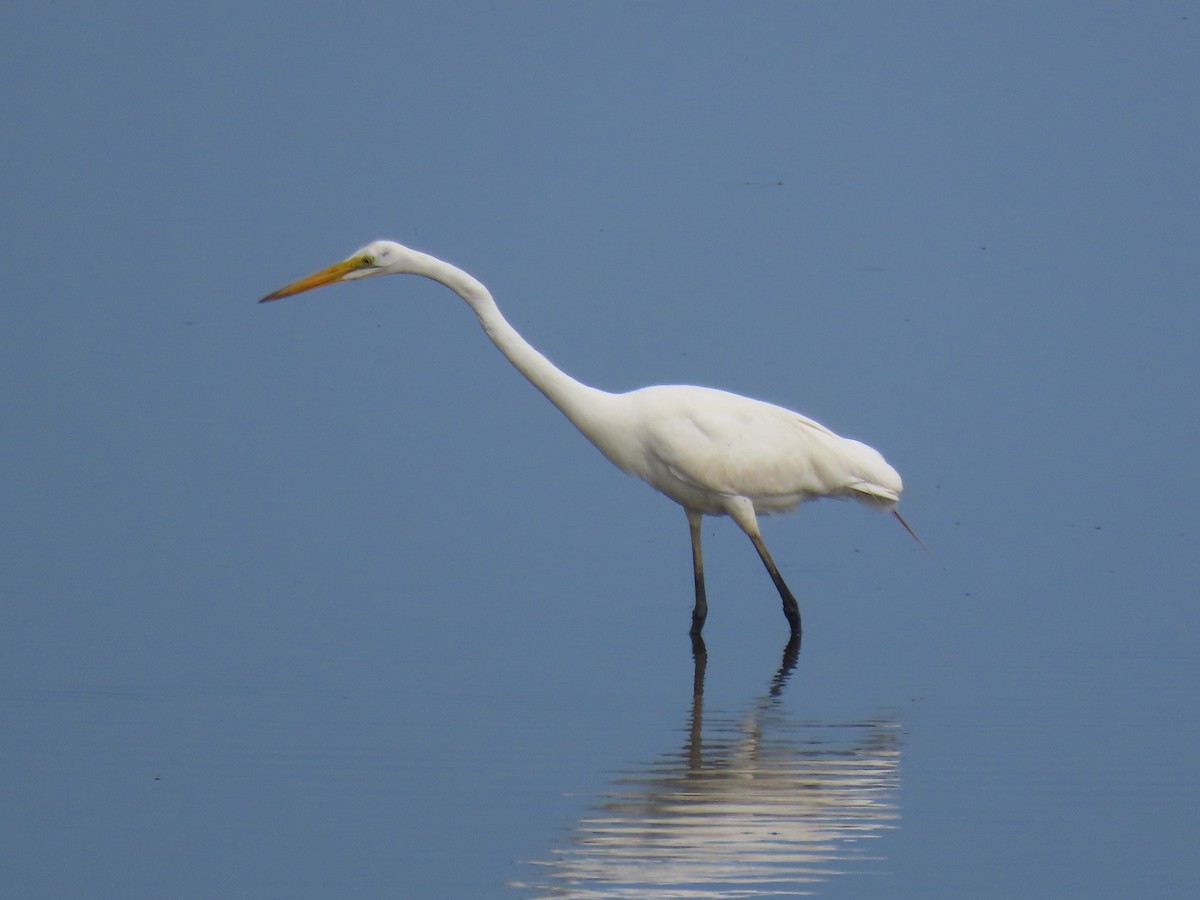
x=713 y=452
x=708 y=450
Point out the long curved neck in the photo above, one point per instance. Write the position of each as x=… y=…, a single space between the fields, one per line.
x=578 y=401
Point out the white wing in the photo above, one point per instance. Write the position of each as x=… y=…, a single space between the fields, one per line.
x=721 y=445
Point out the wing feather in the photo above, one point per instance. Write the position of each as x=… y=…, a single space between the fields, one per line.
x=724 y=444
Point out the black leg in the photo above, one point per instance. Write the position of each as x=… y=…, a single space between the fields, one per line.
x=791 y=608
x=700 y=612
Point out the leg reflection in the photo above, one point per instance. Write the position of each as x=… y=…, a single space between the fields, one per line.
x=695 y=744
x=755 y=802
x=699 y=665
x=791 y=654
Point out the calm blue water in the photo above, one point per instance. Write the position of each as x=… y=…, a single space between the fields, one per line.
x=530 y=757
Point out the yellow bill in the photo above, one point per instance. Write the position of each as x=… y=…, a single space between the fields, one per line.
x=333 y=274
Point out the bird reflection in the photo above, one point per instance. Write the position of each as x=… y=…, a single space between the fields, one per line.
x=754 y=805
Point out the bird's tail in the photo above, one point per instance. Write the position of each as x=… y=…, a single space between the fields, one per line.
x=908 y=528
x=877 y=495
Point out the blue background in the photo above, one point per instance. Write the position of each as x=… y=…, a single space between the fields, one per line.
x=321 y=599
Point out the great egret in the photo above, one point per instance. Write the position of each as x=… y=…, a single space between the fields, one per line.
x=713 y=452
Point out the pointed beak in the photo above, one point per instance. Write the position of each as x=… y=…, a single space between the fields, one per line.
x=333 y=274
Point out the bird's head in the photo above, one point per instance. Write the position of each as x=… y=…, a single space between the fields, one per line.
x=377 y=258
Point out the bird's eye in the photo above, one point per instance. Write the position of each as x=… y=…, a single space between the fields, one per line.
x=368 y=262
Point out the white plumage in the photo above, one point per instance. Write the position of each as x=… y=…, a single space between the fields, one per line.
x=713 y=452
x=704 y=446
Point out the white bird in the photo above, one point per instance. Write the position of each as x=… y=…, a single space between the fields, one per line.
x=713 y=452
